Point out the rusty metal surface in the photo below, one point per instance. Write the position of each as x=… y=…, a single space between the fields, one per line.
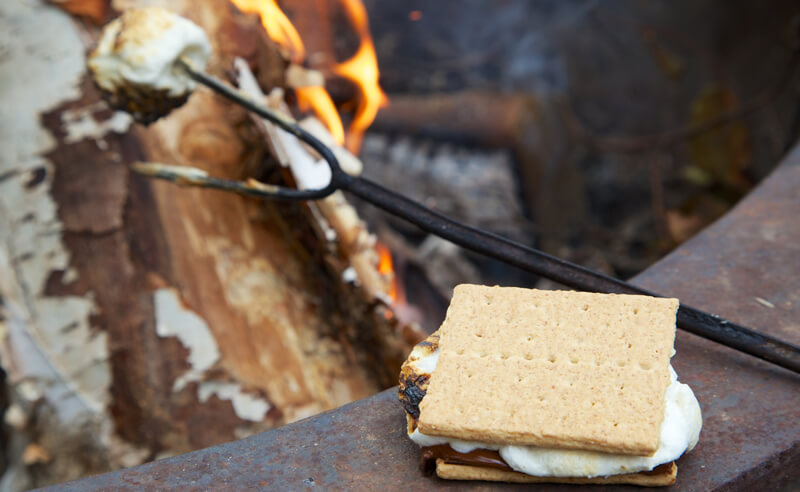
x=745 y=267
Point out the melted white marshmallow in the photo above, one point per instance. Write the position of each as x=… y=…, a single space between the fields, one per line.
x=680 y=431
x=141 y=47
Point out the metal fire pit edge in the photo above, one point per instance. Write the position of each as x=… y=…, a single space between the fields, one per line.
x=745 y=267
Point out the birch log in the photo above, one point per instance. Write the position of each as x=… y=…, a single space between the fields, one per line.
x=141 y=319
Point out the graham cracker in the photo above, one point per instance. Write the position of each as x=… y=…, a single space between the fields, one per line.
x=660 y=477
x=556 y=369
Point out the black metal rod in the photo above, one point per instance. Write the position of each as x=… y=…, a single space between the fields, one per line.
x=690 y=319
x=285 y=123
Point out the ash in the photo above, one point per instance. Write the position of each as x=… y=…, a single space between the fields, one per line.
x=479 y=187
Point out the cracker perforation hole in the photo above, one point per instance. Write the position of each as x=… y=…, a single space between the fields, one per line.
x=621 y=363
x=645 y=366
x=552 y=358
x=528 y=356
x=573 y=360
x=504 y=356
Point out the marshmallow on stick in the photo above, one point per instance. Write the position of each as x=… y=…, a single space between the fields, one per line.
x=135 y=62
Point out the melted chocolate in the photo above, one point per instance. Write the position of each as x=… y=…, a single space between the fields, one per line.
x=478 y=457
x=481 y=457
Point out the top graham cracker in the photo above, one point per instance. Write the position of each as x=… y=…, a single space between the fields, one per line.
x=555 y=369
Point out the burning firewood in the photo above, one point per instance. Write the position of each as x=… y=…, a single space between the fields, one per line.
x=335 y=214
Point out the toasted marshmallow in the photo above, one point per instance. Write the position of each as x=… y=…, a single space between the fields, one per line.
x=134 y=63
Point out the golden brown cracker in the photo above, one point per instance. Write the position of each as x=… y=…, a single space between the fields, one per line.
x=662 y=476
x=554 y=369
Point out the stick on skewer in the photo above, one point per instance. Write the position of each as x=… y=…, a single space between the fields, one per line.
x=149 y=87
x=690 y=319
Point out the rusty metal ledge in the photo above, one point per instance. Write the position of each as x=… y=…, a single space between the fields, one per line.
x=745 y=267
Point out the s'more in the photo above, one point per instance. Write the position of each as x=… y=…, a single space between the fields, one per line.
x=525 y=385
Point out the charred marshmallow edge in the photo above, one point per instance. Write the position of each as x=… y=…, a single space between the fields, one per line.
x=134 y=64
x=680 y=431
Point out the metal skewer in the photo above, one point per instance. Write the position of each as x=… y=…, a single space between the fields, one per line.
x=690 y=319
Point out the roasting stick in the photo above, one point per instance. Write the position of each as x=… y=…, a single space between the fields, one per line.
x=709 y=326
x=334 y=214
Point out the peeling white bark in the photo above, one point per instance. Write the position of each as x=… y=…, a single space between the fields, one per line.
x=174 y=319
x=246 y=407
x=80 y=124
x=51 y=355
x=43 y=333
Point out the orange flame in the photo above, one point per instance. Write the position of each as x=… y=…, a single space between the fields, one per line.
x=318 y=100
x=281 y=30
x=361 y=69
x=386 y=268
x=278 y=26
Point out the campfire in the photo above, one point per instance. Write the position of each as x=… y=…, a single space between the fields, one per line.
x=303 y=257
x=361 y=69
